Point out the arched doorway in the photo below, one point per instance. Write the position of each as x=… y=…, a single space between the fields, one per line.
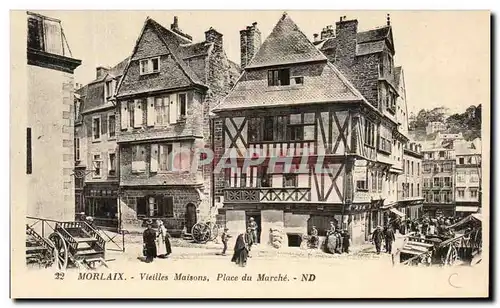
x=190 y=217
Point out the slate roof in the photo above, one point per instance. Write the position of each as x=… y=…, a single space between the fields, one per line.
x=328 y=87
x=373 y=35
x=285 y=45
x=180 y=48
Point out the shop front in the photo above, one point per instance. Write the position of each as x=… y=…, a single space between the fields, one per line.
x=101 y=203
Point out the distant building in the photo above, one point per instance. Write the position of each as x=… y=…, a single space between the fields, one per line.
x=433 y=127
x=438 y=176
x=49 y=134
x=468 y=177
x=410 y=182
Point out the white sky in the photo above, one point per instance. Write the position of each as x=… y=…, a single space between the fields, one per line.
x=445 y=55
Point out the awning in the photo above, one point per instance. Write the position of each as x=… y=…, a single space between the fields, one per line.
x=473 y=209
x=472 y=217
x=395 y=211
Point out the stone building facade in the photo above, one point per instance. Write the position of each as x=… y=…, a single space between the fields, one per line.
x=410 y=182
x=96 y=150
x=163 y=100
x=49 y=132
x=468 y=177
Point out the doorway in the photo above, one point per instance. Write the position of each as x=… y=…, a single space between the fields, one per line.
x=258 y=219
x=190 y=217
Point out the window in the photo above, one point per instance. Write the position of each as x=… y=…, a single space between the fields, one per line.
x=461 y=193
x=431 y=155
x=97 y=163
x=290 y=180
x=29 y=161
x=474 y=177
x=418 y=168
x=435 y=197
x=112 y=126
x=298 y=80
x=473 y=193
x=279 y=77
x=441 y=154
x=361 y=185
x=418 y=189
x=427 y=182
x=254 y=129
x=460 y=177
x=447 y=181
x=138 y=158
x=109 y=89
x=161 y=108
x=374 y=181
x=301 y=126
x=265 y=177
x=268 y=129
x=149 y=66
x=370 y=132
x=379 y=179
x=96 y=128
x=182 y=106
x=436 y=182
x=404 y=162
x=469 y=160
x=112 y=164
x=461 y=160
x=77 y=149
x=155 y=206
x=447 y=167
x=165 y=157
x=412 y=170
x=411 y=190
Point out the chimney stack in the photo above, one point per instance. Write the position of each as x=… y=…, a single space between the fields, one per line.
x=213 y=36
x=388 y=19
x=327 y=32
x=101 y=71
x=315 y=35
x=174 y=27
x=250 y=41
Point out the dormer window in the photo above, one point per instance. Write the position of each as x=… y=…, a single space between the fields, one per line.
x=279 y=77
x=110 y=88
x=297 y=80
x=149 y=66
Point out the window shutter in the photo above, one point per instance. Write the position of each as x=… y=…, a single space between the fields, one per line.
x=53 y=37
x=176 y=156
x=161 y=205
x=124 y=115
x=138 y=113
x=154 y=158
x=173 y=109
x=151 y=114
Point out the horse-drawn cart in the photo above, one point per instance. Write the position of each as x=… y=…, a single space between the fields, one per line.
x=448 y=249
x=73 y=243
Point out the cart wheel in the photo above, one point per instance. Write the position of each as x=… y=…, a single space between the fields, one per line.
x=451 y=256
x=215 y=232
x=51 y=255
x=61 y=250
x=201 y=232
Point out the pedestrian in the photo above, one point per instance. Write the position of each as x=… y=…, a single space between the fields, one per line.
x=339 y=246
x=377 y=238
x=332 y=229
x=314 y=239
x=241 y=249
x=149 y=238
x=162 y=240
x=253 y=227
x=346 y=241
x=389 y=239
x=225 y=238
x=249 y=240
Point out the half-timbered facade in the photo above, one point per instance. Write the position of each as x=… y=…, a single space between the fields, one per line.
x=163 y=104
x=293 y=108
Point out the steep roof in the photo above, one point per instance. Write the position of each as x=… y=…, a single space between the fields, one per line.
x=373 y=35
x=328 y=87
x=285 y=45
x=180 y=48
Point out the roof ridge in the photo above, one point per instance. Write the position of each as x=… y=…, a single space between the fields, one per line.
x=185 y=69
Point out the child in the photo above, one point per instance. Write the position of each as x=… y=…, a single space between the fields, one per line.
x=225 y=238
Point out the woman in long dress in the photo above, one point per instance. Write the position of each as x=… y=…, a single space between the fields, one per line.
x=162 y=241
x=149 y=237
x=241 y=249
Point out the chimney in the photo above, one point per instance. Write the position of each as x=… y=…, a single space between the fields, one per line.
x=388 y=19
x=315 y=35
x=250 y=41
x=327 y=32
x=345 y=32
x=213 y=36
x=101 y=71
x=174 y=27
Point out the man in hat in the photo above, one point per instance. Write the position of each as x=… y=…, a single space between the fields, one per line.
x=253 y=228
x=389 y=238
x=332 y=229
x=149 y=238
x=346 y=238
x=377 y=238
x=225 y=238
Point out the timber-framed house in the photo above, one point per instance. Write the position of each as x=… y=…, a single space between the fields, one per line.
x=291 y=102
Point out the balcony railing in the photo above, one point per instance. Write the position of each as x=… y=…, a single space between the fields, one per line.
x=277 y=149
x=406 y=195
x=267 y=194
